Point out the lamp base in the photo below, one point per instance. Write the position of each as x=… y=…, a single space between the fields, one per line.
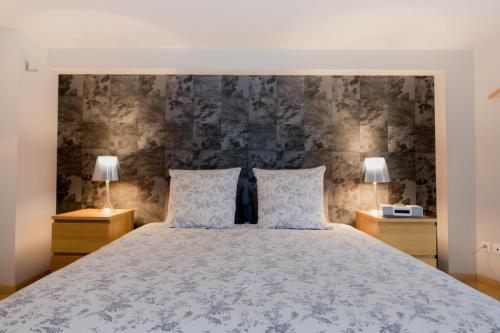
x=108 y=206
x=375 y=207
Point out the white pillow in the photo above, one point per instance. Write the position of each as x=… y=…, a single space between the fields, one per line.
x=291 y=199
x=202 y=198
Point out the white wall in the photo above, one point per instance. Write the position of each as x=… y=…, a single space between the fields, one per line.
x=8 y=155
x=454 y=113
x=29 y=102
x=37 y=156
x=487 y=79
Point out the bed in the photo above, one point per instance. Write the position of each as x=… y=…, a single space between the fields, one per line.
x=248 y=279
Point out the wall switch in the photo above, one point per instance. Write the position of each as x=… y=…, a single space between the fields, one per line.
x=495 y=248
x=485 y=246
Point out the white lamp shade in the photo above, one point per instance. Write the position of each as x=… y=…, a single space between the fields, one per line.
x=375 y=170
x=107 y=168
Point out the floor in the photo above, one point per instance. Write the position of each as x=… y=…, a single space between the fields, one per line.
x=485 y=289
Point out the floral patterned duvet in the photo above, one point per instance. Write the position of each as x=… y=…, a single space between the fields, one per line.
x=246 y=279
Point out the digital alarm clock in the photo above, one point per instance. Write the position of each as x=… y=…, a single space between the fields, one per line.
x=399 y=210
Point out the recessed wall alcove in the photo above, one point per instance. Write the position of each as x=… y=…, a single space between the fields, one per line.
x=157 y=122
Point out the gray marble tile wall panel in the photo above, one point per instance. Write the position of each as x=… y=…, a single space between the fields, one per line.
x=157 y=122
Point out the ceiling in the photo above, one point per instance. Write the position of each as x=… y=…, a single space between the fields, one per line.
x=297 y=24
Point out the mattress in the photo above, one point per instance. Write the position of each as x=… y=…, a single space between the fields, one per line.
x=246 y=279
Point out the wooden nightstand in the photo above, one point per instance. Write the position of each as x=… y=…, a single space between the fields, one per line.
x=416 y=236
x=76 y=234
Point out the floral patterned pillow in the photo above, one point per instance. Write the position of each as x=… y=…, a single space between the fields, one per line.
x=202 y=198
x=291 y=199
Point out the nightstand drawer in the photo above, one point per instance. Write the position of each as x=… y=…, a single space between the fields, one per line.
x=79 y=237
x=78 y=233
x=418 y=239
x=430 y=260
x=61 y=260
x=413 y=235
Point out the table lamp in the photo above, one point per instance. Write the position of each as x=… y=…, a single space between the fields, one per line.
x=107 y=169
x=375 y=171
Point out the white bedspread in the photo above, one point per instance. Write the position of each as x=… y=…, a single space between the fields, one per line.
x=246 y=279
